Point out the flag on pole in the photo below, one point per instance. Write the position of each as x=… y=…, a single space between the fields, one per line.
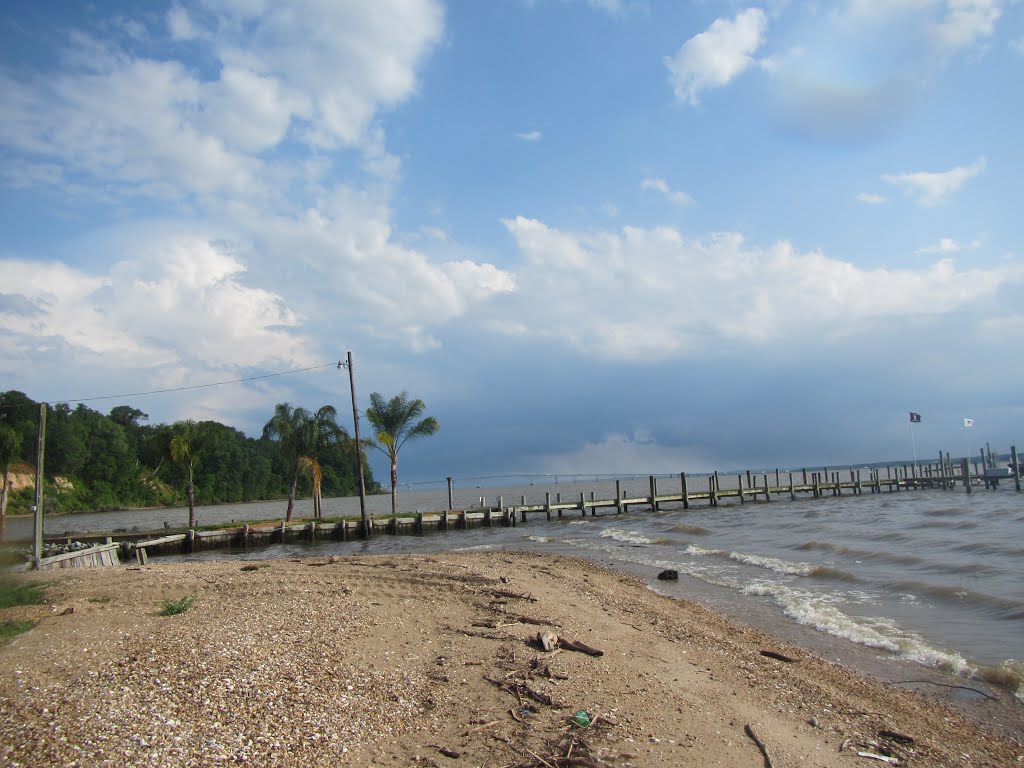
x=916 y=417
x=968 y=422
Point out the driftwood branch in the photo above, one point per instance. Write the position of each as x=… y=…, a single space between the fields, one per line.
x=522 y=689
x=485 y=635
x=779 y=657
x=900 y=738
x=572 y=645
x=947 y=685
x=749 y=730
x=514 y=595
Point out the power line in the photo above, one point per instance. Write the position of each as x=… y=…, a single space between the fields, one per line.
x=193 y=386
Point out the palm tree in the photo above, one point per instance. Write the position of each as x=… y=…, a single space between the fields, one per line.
x=395 y=423
x=185 y=449
x=10 y=447
x=289 y=428
x=321 y=431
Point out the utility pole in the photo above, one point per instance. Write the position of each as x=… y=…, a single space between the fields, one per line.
x=37 y=518
x=364 y=522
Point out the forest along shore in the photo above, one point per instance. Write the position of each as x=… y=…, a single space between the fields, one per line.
x=414 y=659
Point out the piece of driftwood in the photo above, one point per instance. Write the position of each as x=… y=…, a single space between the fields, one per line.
x=947 y=685
x=485 y=635
x=545 y=671
x=514 y=595
x=779 y=657
x=522 y=689
x=883 y=758
x=490 y=724
x=749 y=730
x=573 y=645
x=897 y=737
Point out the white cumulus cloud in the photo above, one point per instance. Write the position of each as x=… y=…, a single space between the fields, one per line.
x=674 y=296
x=673 y=196
x=181 y=303
x=870 y=198
x=716 y=56
x=312 y=73
x=931 y=188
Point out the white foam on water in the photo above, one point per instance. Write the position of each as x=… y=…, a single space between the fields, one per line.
x=702 y=552
x=821 y=612
x=774 y=564
x=624 y=536
x=539 y=539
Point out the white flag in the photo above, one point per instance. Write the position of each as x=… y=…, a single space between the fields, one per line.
x=968 y=422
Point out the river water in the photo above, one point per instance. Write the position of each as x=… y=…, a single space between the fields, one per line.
x=932 y=577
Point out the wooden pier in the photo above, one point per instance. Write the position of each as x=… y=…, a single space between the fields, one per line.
x=682 y=491
x=96 y=556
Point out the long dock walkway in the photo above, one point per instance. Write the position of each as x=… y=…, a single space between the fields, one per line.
x=686 y=491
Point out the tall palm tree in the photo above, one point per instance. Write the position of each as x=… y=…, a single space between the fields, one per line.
x=288 y=427
x=395 y=422
x=185 y=449
x=322 y=430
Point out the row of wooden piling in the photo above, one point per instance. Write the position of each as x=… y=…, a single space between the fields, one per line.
x=710 y=490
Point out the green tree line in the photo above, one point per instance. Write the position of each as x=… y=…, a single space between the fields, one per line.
x=96 y=461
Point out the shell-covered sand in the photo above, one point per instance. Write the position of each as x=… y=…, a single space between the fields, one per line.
x=432 y=660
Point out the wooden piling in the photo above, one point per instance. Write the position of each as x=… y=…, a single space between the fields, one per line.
x=547 y=506
x=450 y=502
x=1016 y=467
x=767 y=490
x=618 y=497
x=654 y=493
x=739 y=484
x=583 y=504
x=686 y=493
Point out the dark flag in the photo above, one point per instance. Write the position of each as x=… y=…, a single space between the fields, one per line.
x=915 y=417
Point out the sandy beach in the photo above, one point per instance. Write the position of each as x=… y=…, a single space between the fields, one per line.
x=435 y=661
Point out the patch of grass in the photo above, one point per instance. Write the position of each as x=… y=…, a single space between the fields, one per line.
x=12 y=594
x=104 y=599
x=173 y=607
x=11 y=629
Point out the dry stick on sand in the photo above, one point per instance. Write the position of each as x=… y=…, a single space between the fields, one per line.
x=749 y=730
x=779 y=657
x=947 y=685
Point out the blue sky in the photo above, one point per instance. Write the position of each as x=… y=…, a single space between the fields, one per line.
x=594 y=237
